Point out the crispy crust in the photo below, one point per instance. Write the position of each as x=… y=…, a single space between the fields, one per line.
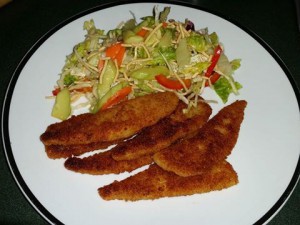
x=144 y=144
x=154 y=138
x=103 y=163
x=119 y=122
x=213 y=143
x=155 y=182
x=65 y=151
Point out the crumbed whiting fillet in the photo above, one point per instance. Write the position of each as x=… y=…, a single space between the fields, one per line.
x=154 y=183
x=103 y=163
x=165 y=132
x=212 y=144
x=65 y=151
x=118 y=122
x=144 y=144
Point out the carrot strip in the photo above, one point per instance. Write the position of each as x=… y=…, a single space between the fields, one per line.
x=113 y=50
x=116 y=51
x=117 y=97
x=120 y=55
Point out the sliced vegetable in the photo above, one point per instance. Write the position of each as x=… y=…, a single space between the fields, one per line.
x=120 y=55
x=197 y=42
x=84 y=89
x=100 y=65
x=153 y=37
x=214 y=60
x=163 y=55
x=144 y=86
x=166 y=39
x=172 y=84
x=183 y=54
x=139 y=27
x=212 y=79
x=117 y=97
x=116 y=51
x=149 y=73
x=55 y=91
x=62 y=106
x=129 y=37
x=113 y=50
x=108 y=95
x=107 y=79
x=223 y=88
x=214 y=38
x=224 y=66
x=235 y=64
x=142 y=32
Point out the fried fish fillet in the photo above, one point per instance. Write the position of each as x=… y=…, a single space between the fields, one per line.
x=212 y=144
x=155 y=182
x=119 y=122
x=144 y=144
x=165 y=132
x=103 y=163
x=65 y=151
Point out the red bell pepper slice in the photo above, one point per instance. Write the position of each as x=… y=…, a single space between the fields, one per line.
x=172 y=84
x=214 y=60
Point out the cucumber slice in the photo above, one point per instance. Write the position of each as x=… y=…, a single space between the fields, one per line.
x=107 y=79
x=129 y=37
x=108 y=95
x=62 y=106
x=144 y=23
x=149 y=73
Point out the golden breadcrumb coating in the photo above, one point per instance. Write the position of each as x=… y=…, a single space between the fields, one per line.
x=103 y=163
x=113 y=124
x=154 y=183
x=169 y=129
x=213 y=143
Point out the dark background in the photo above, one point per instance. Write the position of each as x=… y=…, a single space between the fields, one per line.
x=23 y=22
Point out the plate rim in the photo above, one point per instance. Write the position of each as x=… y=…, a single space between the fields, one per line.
x=30 y=197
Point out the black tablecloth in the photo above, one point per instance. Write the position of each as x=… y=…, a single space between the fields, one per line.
x=22 y=23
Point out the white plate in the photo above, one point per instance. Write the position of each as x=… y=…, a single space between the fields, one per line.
x=266 y=156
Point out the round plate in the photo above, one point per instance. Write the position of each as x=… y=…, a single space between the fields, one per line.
x=266 y=156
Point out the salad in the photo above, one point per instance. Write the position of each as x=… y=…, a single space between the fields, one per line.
x=156 y=54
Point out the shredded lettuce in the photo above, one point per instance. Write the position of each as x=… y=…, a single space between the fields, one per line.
x=235 y=64
x=214 y=38
x=197 y=42
x=161 y=55
x=223 y=88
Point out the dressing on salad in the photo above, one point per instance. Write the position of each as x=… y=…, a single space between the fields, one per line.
x=155 y=55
